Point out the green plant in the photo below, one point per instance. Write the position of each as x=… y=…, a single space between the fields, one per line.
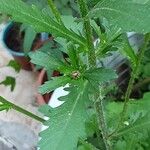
x=65 y=7
x=88 y=119
x=11 y=81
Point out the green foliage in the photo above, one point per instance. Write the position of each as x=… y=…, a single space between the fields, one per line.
x=67 y=121
x=140 y=124
x=53 y=84
x=45 y=60
x=128 y=15
x=38 y=19
x=136 y=125
x=146 y=70
x=15 y=65
x=3 y=105
x=9 y=81
x=29 y=37
x=100 y=75
x=66 y=7
x=88 y=119
x=128 y=51
x=3 y=18
x=86 y=146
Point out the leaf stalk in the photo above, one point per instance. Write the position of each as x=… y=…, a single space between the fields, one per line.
x=21 y=110
x=88 y=31
x=101 y=121
x=134 y=75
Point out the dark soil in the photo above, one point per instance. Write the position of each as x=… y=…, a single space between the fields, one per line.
x=14 y=38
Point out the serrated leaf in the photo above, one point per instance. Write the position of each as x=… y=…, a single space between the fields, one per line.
x=87 y=146
x=137 y=126
x=112 y=113
x=72 y=53
x=135 y=109
x=127 y=14
x=29 y=37
x=100 y=75
x=131 y=142
x=9 y=81
x=67 y=122
x=96 y=28
x=45 y=60
x=15 y=65
x=128 y=51
x=53 y=84
x=71 y=23
x=52 y=49
x=39 y=20
x=91 y=126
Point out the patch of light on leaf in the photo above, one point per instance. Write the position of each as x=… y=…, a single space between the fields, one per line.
x=126 y=123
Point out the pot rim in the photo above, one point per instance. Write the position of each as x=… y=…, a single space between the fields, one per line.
x=44 y=36
x=3 y=38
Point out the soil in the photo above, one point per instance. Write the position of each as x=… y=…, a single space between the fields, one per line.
x=14 y=38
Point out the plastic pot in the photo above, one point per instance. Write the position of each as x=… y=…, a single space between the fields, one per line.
x=20 y=57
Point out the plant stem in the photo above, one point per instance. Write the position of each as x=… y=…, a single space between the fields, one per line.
x=101 y=121
x=134 y=75
x=55 y=11
x=88 y=31
x=92 y=63
x=21 y=110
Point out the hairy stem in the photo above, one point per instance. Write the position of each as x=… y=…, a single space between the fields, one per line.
x=88 y=31
x=101 y=121
x=134 y=75
x=92 y=63
x=21 y=110
x=55 y=11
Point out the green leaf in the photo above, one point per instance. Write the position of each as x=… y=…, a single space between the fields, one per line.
x=53 y=84
x=14 y=64
x=96 y=28
x=4 y=107
x=128 y=14
x=100 y=75
x=128 y=51
x=146 y=70
x=29 y=37
x=142 y=123
x=3 y=17
x=131 y=142
x=113 y=110
x=72 y=52
x=52 y=49
x=135 y=109
x=39 y=20
x=67 y=122
x=45 y=60
x=9 y=81
x=71 y=23
x=86 y=146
